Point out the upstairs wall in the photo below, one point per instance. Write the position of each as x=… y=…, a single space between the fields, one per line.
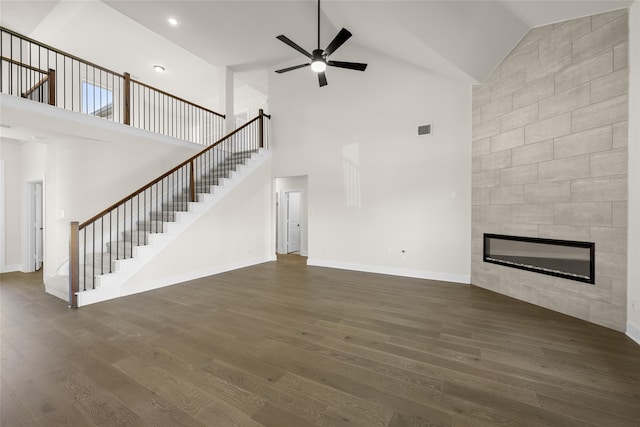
x=550 y=160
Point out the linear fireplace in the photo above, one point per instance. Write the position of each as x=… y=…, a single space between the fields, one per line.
x=562 y=258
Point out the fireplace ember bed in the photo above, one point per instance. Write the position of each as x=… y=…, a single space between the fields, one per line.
x=561 y=258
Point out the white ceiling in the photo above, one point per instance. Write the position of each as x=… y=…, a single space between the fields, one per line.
x=462 y=39
x=473 y=36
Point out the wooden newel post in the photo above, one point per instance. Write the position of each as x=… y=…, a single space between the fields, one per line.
x=192 y=182
x=261 y=127
x=126 y=94
x=52 y=86
x=74 y=265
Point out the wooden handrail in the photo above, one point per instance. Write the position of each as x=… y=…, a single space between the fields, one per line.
x=35 y=87
x=177 y=98
x=58 y=51
x=13 y=61
x=166 y=174
x=91 y=64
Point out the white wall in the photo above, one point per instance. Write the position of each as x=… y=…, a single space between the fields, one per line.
x=292 y=183
x=11 y=196
x=375 y=187
x=94 y=164
x=235 y=233
x=633 y=274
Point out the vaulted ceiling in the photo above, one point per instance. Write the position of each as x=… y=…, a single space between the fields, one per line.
x=473 y=36
x=463 y=39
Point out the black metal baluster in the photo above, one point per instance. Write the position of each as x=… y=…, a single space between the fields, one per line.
x=93 y=243
x=137 y=197
x=118 y=233
x=20 y=74
x=124 y=230
x=144 y=195
x=102 y=245
x=161 y=202
x=131 y=226
x=156 y=199
x=110 y=242
x=84 y=255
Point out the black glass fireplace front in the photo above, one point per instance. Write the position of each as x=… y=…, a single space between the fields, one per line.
x=562 y=258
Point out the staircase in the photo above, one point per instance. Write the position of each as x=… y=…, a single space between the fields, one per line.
x=102 y=273
x=115 y=244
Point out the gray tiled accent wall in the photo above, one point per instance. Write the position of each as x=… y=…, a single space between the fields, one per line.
x=550 y=161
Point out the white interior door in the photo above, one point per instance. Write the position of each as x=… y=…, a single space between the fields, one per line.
x=38 y=224
x=293 y=221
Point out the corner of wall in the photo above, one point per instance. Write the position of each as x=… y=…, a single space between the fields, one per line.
x=633 y=274
x=550 y=160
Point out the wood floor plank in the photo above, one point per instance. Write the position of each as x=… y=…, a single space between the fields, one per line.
x=97 y=404
x=190 y=398
x=356 y=411
x=305 y=407
x=284 y=344
x=12 y=411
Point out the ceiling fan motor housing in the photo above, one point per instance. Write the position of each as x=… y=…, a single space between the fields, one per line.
x=318 y=55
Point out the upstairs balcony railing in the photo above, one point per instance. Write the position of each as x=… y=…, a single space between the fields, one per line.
x=41 y=73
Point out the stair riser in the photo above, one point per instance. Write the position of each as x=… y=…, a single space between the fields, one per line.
x=151 y=226
x=138 y=238
x=166 y=216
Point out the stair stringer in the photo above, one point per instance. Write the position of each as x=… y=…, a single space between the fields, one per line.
x=110 y=286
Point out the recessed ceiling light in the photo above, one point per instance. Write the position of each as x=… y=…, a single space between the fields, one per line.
x=158 y=68
x=173 y=21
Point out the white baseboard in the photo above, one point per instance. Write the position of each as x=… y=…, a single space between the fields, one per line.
x=418 y=274
x=11 y=268
x=633 y=331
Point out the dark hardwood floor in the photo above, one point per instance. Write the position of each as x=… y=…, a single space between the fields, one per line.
x=282 y=344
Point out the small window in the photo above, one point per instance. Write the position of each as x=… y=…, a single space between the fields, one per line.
x=96 y=100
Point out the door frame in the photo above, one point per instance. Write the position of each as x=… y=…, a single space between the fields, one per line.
x=2 y=232
x=282 y=215
x=30 y=235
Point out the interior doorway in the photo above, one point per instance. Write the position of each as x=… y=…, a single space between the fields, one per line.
x=35 y=226
x=291 y=215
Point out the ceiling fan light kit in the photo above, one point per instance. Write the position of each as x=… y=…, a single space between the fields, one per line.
x=319 y=57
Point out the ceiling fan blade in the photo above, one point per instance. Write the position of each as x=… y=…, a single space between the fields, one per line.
x=322 y=79
x=295 y=67
x=338 y=41
x=348 y=65
x=288 y=41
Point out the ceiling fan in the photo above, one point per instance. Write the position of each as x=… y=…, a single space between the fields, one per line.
x=318 y=57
